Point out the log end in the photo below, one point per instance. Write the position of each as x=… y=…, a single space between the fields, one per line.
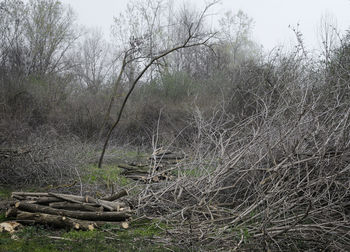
x=125 y=225
x=11 y=212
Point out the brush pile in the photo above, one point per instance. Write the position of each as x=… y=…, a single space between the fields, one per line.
x=69 y=211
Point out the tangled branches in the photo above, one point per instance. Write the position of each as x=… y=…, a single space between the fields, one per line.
x=44 y=159
x=261 y=183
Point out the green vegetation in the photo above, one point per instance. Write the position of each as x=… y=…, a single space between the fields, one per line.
x=108 y=175
x=141 y=236
x=5 y=193
x=2 y=217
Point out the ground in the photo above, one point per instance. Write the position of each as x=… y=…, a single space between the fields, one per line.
x=143 y=235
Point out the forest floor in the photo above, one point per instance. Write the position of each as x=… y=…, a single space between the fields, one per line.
x=143 y=234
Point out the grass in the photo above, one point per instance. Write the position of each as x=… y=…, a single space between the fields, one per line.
x=107 y=175
x=5 y=193
x=110 y=173
x=141 y=236
x=2 y=217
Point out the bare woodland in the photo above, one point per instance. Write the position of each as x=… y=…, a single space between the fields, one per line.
x=245 y=148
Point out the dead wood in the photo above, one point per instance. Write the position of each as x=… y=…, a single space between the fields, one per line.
x=75 y=206
x=123 y=224
x=98 y=216
x=133 y=168
x=44 y=198
x=52 y=220
x=32 y=194
x=116 y=196
x=47 y=200
x=111 y=206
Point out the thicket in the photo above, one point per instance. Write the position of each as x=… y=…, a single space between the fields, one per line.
x=268 y=134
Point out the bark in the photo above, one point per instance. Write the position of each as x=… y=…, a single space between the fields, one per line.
x=123 y=224
x=75 y=206
x=98 y=216
x=30 y=194
x=52 y=220
x=47 y=200
x=111 y=206
x=116 y=196
x=47 y=197
x=11 y=212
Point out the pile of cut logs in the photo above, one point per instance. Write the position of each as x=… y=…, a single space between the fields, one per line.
x=158 y=167
x=69 y=211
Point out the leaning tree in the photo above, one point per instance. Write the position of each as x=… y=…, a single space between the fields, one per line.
x=141 y=32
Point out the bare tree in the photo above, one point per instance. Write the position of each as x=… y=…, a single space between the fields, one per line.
x=138 y=52
x=11 y=39
x=49 y=32
x=328 y=36
x=35 y=37
x=93 y=64
x=236 y=35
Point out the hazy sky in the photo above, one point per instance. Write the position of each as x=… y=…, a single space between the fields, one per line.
x=271 y=17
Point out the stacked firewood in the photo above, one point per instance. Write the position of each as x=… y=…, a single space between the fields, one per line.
x=157 y=167
x=69 y=211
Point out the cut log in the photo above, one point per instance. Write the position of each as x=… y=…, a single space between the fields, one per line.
x=54 y=220
x=10 y=227
x=98 y=216
x=116 y=196
x=11 y=212
x=69 y=198
x=47 y=200
x=123 y=224
x=47 y=197
x=75 y=206
x=132 y=168
x=33 y=194
x=111 y=206
x=18 y=197
x=134 y=164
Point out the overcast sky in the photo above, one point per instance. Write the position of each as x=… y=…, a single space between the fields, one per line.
x=271 y=17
